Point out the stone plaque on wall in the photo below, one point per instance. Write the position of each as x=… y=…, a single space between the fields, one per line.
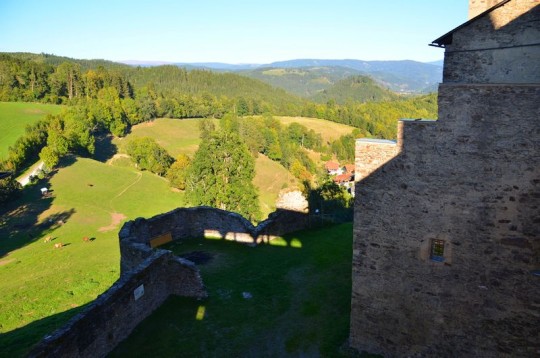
x=138 y=292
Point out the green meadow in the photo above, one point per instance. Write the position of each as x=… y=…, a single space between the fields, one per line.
x=182 y=136
x=15 y=116
x=42 y=286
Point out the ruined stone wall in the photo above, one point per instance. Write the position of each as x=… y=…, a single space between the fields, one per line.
x=113 y=315
x=471 y=179
x=182 y=223
x=201 y=222
x=501 y=47
x=149 y=276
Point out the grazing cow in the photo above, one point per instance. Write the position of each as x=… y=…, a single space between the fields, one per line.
x=86 y=239
x=47 y=239
x=58 y=245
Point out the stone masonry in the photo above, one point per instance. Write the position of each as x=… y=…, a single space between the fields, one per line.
x=446 y=253
x=113 y=315
x=199 y=223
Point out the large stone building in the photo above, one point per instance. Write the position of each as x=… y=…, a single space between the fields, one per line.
x=447 y=231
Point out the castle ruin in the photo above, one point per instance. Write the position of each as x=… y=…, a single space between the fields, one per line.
x=447 y=219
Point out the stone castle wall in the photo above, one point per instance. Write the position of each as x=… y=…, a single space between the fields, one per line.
x=476 y=7
x=200 y=222
x=371 y=154
x=471 y=179
x=501 y=47
x=113 y=315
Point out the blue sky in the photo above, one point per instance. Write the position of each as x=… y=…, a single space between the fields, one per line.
x=233 y=31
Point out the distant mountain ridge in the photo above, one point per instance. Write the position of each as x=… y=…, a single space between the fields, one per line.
x=405 y=76
x=399 y=76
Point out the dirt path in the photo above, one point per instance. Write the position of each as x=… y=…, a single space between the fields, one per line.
x=116 y=217
x=25 y=179
x=139 y=177
x=116 y=156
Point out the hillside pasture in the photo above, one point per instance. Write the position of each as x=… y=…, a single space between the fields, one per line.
x=175 y=135
x=15 y=116
x=270 y=178
x=329 y=131
x=182 y=136
x=43 y=286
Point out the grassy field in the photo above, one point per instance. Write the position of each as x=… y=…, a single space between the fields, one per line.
x=14 y=116
x=182 y=136
x=42 y=286
x=329 y=130
x=175 y=135
x=291 y=298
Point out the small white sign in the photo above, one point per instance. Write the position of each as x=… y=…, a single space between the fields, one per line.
x=138 y=292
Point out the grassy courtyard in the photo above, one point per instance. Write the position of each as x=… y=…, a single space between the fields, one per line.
x=290 y=298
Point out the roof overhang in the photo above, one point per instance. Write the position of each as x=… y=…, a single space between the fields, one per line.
x=446 y=39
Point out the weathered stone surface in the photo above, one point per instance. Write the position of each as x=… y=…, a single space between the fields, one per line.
x=475 y=184
x=500 y=47
x=113 y=315
x=472 y=179
x=292 y=200
x=371 y=154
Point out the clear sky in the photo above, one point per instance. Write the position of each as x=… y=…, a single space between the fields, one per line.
x=231 y=31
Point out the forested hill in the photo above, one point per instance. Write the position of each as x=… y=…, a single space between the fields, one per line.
x=305 y=81
x=355 y=89
x=170 y=79
x=118 y=96
x=53 y=60
x=42 y=77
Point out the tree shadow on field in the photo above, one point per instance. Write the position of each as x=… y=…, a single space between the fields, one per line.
x=21 y=221
x=105 y=148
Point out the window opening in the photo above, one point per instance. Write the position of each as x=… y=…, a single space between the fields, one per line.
x=437 y=250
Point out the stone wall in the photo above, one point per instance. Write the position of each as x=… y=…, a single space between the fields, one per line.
x=500 y=47
x=201 y=222
x=371 y=154
x=476 y=7
x=471 y=179
x=113 y=315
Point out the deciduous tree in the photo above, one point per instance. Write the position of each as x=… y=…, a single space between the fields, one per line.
x=221 y=175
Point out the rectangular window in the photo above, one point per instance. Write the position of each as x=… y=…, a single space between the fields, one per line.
x=437 y=250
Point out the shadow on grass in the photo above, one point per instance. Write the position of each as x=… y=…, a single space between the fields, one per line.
x=105 y=148
x=21 y=221
x=18 y=342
